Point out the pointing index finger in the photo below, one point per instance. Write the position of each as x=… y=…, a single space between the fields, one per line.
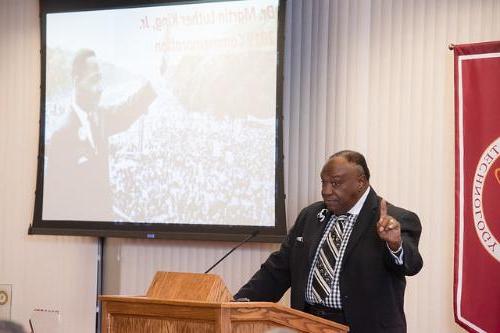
x=383 y=208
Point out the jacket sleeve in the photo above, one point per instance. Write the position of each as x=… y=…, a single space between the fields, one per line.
x=410 y=235
x=272 y=280
x=118 y=118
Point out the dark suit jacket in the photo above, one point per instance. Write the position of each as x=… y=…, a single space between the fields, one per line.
x=372 y=285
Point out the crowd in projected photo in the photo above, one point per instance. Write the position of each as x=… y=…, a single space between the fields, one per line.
x=172 y=173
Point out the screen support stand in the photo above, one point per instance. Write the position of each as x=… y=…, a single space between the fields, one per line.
x=100 y=278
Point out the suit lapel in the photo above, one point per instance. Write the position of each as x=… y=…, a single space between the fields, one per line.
x=365 y=220
x=313 y=231
x=315 y=236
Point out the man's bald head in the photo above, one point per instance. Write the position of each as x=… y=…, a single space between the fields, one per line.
x=355 y=158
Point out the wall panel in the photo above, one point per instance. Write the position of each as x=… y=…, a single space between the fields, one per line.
x=54 y=273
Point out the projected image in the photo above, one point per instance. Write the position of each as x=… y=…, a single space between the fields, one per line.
x=162 y=115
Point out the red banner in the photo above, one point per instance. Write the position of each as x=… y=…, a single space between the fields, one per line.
x=477 y=187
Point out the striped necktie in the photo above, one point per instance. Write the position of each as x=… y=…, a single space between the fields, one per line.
x=325 y=264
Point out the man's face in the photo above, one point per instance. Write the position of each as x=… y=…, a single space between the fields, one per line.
x=89 y=84
x=342 y=185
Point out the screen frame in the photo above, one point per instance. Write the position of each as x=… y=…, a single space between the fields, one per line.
x=157 y=230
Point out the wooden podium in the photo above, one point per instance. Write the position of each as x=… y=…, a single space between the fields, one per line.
x=199 y=303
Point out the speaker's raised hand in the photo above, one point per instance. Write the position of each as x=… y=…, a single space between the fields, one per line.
x=388 y=228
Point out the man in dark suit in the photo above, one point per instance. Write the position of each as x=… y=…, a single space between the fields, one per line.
x=347 y=256
x=76 y=183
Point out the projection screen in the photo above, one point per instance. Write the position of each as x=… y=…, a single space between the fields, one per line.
x=161 y=120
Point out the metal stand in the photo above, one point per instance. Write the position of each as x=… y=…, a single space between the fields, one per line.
x=100 y=279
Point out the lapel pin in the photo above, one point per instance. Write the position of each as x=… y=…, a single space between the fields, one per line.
x=322 y=214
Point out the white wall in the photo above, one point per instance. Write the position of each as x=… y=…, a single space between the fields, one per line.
x=369 y=75
x=55 y=273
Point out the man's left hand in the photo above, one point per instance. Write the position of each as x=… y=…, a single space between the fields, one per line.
x=388 y=228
